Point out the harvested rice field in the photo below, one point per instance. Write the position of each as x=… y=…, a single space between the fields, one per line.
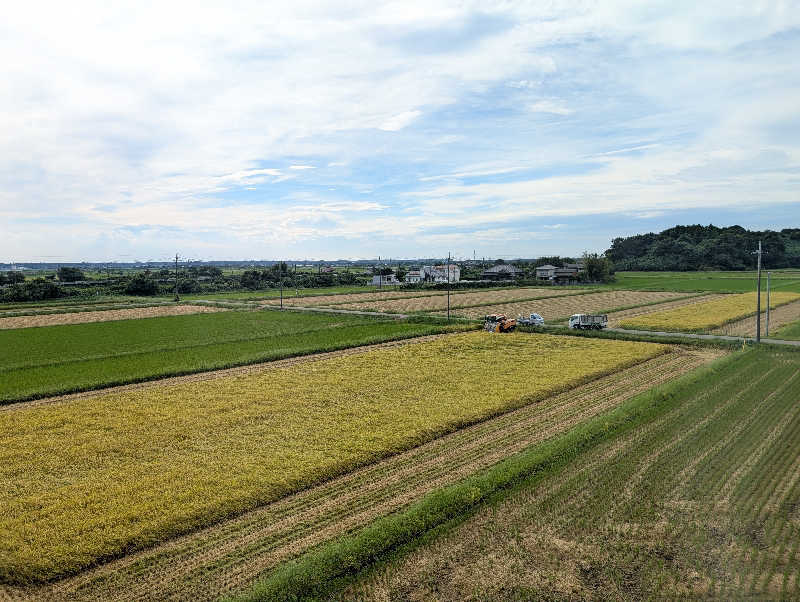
x=778 y=318
x=560 y=308
x=707 y=316
x=227 y=557
x=83 y=317
x=289 y=299
x=92 y=478
x=461 y=300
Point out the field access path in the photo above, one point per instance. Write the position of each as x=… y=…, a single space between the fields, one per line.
x=231 y=555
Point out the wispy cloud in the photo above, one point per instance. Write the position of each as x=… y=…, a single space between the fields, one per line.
x=399 y=121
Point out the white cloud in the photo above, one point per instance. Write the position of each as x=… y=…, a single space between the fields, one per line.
x=300 y=167
x=399 y=121
x=548 y=106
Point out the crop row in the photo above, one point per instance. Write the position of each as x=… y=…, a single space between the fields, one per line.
x=698 y=502
x=125 y=470
x=560 y=308
x=463 y=300
x=228 y=556
x=706 y=316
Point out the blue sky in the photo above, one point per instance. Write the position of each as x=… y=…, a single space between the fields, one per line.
x=353 y=130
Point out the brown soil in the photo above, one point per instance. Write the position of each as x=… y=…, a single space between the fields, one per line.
x=778 y=317
x=228 y=557
x=83 y=317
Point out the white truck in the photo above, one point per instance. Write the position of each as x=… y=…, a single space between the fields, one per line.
x=533 y=320
x=588 y=321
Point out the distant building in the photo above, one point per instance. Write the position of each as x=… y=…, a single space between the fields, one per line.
x=439 y=273
x=565 y=275
x=413 y=277
x=545 y=272
x=501 y=271
x=384 y=280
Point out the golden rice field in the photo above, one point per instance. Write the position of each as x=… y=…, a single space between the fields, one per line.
x=439 y=302
x=707 y=316
x=83 y=317
x=560 y=308
x=96 y=477
x=616 y=317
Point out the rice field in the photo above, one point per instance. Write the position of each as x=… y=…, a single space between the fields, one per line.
x=699 y=501
x=616 y=317
x=462 y=300
x=707 y=316
x=290 y=300
x=227 y=557
x=93 y=478
x=83 y=317
x=560 y=308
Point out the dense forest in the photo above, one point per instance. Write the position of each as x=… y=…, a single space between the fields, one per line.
x=685 y=248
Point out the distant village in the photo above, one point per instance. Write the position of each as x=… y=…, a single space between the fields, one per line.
x=567 y=274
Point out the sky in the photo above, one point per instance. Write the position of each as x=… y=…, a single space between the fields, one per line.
x=326 y=130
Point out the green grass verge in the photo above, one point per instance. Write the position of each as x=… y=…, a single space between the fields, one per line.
x=326 y=568
x=39 y=362
x=790 y=332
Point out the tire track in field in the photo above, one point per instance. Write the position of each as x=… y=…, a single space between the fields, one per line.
x=230 y=555
x=224 y=373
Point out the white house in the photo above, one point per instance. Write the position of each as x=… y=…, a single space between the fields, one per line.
x=413 y=276
x=439 y=273
x=384 y=280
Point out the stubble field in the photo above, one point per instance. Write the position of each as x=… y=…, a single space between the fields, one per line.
x=560 y=308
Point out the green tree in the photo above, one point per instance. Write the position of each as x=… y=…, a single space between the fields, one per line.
x=68 y=274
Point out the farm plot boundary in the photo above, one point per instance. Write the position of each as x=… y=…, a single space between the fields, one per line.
x=231 y=555
x=699 y=503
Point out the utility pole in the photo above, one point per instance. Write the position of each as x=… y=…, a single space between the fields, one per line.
x=176 y=278
x=280 y=277
x=758 y=297
x=448 y=286
x=767 y=334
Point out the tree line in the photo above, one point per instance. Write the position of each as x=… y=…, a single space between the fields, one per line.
x=691 y=248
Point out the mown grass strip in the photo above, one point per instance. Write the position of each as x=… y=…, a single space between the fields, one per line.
x=317 y=573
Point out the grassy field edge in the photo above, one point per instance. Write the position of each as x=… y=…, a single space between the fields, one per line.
x=324 y=569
